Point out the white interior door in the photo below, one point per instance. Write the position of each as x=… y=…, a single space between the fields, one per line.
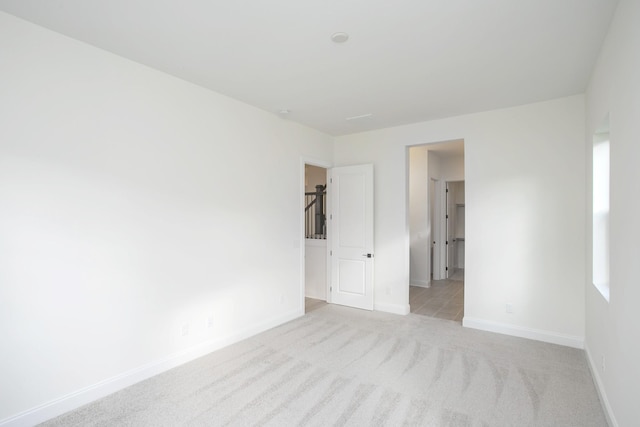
x=351 y=228
x=451 y=225
x=432 y=262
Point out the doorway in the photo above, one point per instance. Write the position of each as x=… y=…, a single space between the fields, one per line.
x=337 y=255
x=436 y=224
x=315 y=236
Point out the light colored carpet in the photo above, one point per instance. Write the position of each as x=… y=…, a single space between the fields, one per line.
x=341 y=366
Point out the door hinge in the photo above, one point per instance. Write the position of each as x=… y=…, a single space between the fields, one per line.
x=330 y=216
x=446 y=268
x=330 y=253
x=447 y=242
x=330 y=288
x=447 y=217
x=447 y=190
x=330 y=180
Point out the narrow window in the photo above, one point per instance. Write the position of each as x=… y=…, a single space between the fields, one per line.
x=601 y=209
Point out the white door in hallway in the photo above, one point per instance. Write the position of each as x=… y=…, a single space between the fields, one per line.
x=351 y=228
x=450 y=218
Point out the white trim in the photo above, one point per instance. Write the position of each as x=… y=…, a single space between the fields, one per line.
x=421 y=283
x=524 y=332
x=392 y=308
x=320 y=243
x=105 y=387
x=595 y=373
x=315 y=242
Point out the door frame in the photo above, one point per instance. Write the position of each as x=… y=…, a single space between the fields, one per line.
x=438 y=228
x=301 y=241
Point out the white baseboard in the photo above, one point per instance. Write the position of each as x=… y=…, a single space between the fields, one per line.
x=523 y=332
x=392 y=308
x=314 y=296
x=108 y=386
x=421 y=283
x=595 y=373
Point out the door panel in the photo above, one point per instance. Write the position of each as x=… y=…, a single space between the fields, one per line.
x=352 y=276
x=352 y=236
x=352 y=207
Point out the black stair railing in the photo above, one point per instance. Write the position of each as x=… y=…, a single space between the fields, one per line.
x=315 y=219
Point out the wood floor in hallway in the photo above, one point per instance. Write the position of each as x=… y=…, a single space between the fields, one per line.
x=444 y=299
x=311 y=304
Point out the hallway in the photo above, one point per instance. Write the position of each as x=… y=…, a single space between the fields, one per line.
x=444 y=299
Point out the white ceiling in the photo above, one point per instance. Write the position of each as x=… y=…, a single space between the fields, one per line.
x=406 y=60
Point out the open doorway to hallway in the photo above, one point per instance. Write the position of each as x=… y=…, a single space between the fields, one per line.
x=315 y=237
x=436 y=224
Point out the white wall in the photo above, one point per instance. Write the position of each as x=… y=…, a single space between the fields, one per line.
x=316 y=269
x=314 y=175
x=433 y=165
x=128 y=210
x=451 y=168
x=419 y=217
x=525 y=222
x=612 y=329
